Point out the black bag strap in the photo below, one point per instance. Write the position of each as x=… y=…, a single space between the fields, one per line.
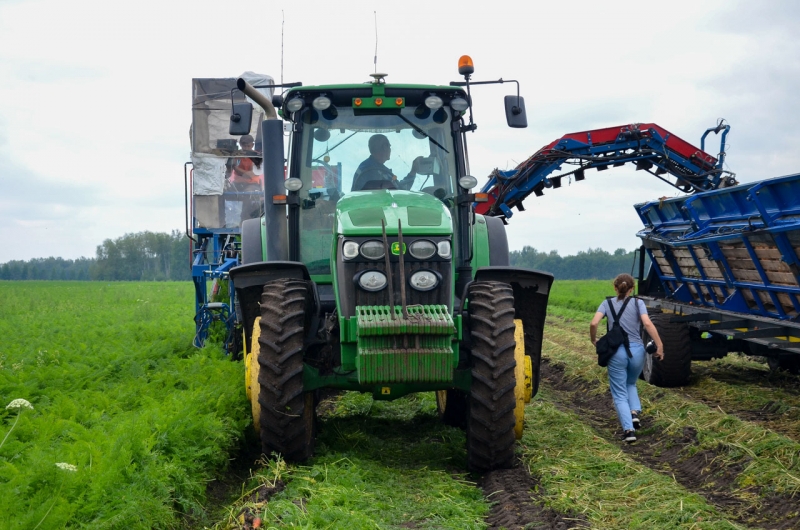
x=621 y=309
x=616 y=320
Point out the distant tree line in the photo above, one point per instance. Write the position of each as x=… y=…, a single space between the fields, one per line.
x=47 y=269
x=157 y=256
x=593 y=264
x=144 y=256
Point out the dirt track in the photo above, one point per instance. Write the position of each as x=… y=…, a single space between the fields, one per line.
x=517 y=505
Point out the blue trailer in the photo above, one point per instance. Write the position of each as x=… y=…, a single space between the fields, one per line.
x=725 y=275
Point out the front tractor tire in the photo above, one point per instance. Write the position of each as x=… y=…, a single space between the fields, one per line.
x=676 y=367
x=491 y=420
x=283 y=413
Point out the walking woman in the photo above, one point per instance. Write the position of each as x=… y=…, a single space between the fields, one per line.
x=624 y=368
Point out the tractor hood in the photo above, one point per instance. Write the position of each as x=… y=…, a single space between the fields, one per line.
x=361 y=213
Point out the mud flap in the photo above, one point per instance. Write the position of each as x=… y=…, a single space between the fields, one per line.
x=249 y=280
x=531 y=292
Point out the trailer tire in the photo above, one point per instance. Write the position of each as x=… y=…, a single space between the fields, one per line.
x=452 y=407
x=676 y=366
x=491 y=419
x=286 y=412
x=787 y=364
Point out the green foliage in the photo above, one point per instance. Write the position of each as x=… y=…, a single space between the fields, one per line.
x=118 y=392
x=378 y=465
x=593 y=264
x=580 y=295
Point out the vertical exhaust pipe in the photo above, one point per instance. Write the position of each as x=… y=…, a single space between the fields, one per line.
x=277 y=229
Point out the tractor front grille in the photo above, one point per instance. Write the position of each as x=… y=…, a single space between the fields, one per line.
x=439 y=295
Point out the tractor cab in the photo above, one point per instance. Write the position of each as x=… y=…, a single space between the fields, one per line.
x=358 y=146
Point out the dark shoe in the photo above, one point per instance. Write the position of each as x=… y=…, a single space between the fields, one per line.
x=629 y=436
x=635 y=419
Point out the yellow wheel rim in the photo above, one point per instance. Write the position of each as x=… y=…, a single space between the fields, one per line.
x=251 y=375
x=519 y=375
x=441 y=400
x=528 y=378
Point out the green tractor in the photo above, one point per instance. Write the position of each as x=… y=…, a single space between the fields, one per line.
x=370 y=271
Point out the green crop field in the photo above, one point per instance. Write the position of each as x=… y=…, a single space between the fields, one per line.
x=119 y=393
x=131 y=427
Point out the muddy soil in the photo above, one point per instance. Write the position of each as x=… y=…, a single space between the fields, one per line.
x=701 y=472
x=515 y=503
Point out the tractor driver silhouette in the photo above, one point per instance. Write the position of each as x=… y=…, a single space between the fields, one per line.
x=372 y=174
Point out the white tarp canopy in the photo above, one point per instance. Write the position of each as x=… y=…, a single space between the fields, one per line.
x=212 y=146
x=211 y=111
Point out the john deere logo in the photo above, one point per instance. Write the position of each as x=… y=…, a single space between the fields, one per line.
x=396 y=248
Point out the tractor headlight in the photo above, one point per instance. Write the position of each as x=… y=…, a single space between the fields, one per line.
x=459 y=104
x=467 y=182
x=295 y=104
x=433 y=102
x=372 y=280
x=372 y=250
x=350 y=249
x=422 y=249
x=424 y=280
x=321 y=103
x=293 y=184
x=444 y=249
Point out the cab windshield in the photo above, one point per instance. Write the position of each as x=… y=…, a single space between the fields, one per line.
x=343 y=151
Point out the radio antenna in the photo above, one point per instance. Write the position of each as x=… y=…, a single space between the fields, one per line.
x=375 y=61
x=283 y=20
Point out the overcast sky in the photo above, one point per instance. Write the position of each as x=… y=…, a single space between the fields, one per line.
x=95 y=97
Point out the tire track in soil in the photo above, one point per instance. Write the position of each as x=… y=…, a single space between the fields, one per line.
x=702 y=473
x=513 y=494
x=773 y=415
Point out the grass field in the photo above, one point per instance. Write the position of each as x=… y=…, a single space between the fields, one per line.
x=148 y=422
x=118 y=392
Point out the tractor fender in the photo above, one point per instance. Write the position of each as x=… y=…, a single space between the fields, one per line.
x=531 y=293
x=249 y=280
x=252 y=244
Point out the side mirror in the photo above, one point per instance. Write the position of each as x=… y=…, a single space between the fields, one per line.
x=515 y=112
x=241 y=117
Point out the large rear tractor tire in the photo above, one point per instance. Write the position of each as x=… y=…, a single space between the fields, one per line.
x=676 y=367
x=492 y=420
x=283 y=414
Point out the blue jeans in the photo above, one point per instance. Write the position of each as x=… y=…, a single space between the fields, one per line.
x=623 y=371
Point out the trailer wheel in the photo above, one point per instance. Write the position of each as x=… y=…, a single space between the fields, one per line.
x=788 y=364
x=283 y=413
x=452 y=407
x=676 y=367
x=491 y=420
